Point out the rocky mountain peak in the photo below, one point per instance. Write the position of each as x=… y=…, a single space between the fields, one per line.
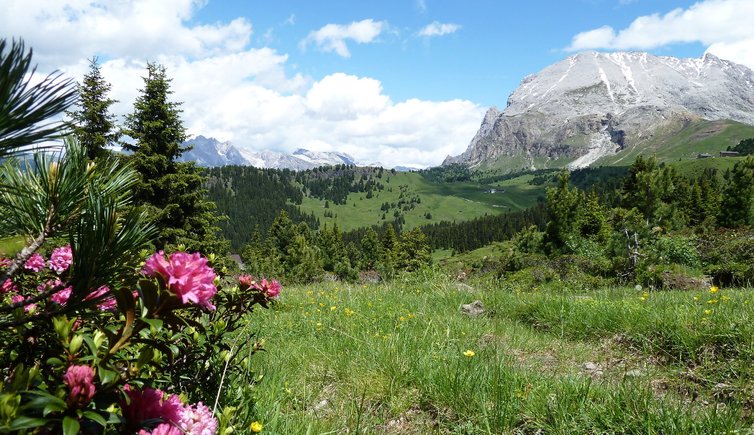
x=595 y=103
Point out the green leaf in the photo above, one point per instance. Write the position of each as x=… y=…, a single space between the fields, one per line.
x=47 y=402
x=155 y=324
x=106 y=376
x=70 y=426
x=93 y=416
x=21 y=423
x=55 y=362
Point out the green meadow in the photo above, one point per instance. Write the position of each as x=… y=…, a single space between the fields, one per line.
x=456 y=201
x=561 y=358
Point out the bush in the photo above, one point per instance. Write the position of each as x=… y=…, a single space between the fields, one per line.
x=728 y=256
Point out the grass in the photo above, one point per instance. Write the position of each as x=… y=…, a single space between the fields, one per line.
x=391 y=358
x=10 y=246
x=456 y=201
x=677 y=141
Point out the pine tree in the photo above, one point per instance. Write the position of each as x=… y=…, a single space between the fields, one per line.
x=371 y=249
x=93 y=125
x=414 y=251
x=172 y=191
x=737 y=207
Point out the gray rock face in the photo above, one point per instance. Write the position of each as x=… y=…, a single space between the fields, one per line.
x=473 y=309
x=594 y=104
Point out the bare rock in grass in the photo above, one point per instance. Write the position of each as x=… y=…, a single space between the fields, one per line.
x=473 y=309
x=592 y=369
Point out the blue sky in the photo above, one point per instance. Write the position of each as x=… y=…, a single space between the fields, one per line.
x=496 y=44
x=399 y=82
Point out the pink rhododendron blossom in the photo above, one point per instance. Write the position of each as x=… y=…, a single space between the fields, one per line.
x=18 y=298
x=35 y=263
x=185 y=275
x=80 y=381
x=106 y=304
x=8 y=286
x=198 y=420
x=60 y=259
x=246 y=281
x=271 y=288
x=163 y=429
x=150 y=404
x=60 y=297
x=5 y=262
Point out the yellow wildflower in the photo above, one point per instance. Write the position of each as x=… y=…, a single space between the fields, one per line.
x=712 y=301
x=256 y=427
x=714 y=289
x=469 y=353
x=707 y=312
x=333 y=308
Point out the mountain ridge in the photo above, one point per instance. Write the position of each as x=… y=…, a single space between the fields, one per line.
x=210 y=152
x=592 y=105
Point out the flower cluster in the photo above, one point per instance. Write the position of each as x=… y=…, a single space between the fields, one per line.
x=35 y=263
x=80 y=382
x=187 y=276
x=60 y=259
x=269 y=288
x=152 y=405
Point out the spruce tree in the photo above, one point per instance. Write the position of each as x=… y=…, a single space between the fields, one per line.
x=172 y=191
x=737 y=207
x=93 y=125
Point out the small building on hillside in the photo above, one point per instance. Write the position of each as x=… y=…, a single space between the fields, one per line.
x=238 y=260
x=703 y=156
x=729 y=154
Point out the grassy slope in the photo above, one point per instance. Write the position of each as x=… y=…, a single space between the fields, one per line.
x=680 y=143
x=670 y=143
x=444 y=201
x=10 y=246
x=390 y=359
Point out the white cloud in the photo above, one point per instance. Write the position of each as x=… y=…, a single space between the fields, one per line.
x=724 y=26
x=132 y=29
x=438 y=29
x=233 y=92
x=333 y=37
x=421 y=5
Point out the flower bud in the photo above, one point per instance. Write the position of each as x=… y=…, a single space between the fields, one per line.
x=99 y=338
x=75 y=344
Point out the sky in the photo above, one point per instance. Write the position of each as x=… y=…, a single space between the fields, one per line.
x=395 y=82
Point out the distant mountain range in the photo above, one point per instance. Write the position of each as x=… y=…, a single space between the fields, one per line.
x=210 y=152
x=595 y=108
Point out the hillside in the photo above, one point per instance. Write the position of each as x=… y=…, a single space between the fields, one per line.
x=354 y=198
x=411 y=197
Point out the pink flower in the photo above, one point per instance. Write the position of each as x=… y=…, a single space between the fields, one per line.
x=107 y=303
x=8 y=286
x=271 y=288
x=198 y=420
x=185 y=275
x=18 y=298
x=60 y=259
x=246 y=281
x=35 y=263
x=163 y=429
x=150 y=404
x=60 y=297
x=5 y=262
x=79 y=380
